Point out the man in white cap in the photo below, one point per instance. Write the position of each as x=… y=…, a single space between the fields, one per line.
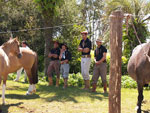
x=100 y=68
x=85 y=48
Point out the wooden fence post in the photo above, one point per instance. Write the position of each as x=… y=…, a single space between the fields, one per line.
x=116 y=19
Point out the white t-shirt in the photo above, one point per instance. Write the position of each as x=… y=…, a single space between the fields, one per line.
x=27 y=47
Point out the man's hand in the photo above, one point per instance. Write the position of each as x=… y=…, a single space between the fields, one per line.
x=61 y=51
x=97 y=62
x=55 y=56
x=50 y=55
x=62 y=62
x=80 y=49
x=86 y=50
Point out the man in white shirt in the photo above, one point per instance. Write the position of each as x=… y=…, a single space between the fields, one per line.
x=25 y=45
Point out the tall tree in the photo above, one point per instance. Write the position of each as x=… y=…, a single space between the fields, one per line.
x=49 y=10
x=92 y=11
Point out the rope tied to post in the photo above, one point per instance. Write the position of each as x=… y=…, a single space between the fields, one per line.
x=129 y=16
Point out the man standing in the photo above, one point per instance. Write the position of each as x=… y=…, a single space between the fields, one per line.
x=85 y=48
x=54 y=64
x=65 y=57
x=100 y=68
x=24 y=45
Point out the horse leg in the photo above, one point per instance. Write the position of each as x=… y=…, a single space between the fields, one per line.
x=140 y=98
x=18 y=74
x=30 y=89
x=3 y=89
x=25 y=76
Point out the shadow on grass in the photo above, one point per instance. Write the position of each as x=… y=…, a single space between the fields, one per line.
x=63 y=95
x=22 y=97
x=4 y=108
x=147 y=111
x=52 y=93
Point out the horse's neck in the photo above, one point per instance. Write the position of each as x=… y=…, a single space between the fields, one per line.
x=5 y=56
x=6 y=50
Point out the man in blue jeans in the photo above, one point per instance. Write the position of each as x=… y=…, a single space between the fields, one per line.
x=65 y=57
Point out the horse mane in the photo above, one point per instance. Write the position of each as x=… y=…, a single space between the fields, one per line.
x=10 y=41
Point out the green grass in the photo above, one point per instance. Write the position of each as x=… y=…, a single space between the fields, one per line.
x=71 y=100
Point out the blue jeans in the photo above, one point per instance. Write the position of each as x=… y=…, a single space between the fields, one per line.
x=64 y=70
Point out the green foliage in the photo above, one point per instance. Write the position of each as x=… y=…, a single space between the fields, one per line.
x=128 y=82
x=138 y=8
x=48 y=8
x=130 y=40
x=77 y=80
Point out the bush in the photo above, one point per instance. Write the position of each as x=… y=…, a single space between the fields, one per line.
x=77 y=80
x=124 y=64
x=128 y=82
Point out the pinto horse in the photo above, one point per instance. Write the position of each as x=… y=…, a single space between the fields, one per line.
x=139 y=69
x=13 y=58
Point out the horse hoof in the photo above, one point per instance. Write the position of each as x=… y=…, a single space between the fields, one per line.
x=136 y=108
x=16 y=80
x=29 y=93
x=34 y=91
x=3 y=103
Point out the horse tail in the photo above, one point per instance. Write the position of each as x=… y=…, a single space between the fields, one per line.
x=34 y=70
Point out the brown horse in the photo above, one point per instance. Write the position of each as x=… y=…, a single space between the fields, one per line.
x=13 y=58
x=139 y=69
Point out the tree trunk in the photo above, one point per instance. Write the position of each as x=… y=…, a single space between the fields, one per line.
x=48 y=43
x=116 y=19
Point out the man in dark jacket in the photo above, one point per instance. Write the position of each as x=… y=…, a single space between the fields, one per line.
x=54 y=64
x=85 y=49
x=100 y=68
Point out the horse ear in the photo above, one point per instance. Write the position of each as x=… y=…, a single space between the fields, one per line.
x=17 y=38
x=10 y=38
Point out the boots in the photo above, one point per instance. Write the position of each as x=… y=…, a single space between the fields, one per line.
x=105 y=88
x=50 y=81
x=93 y=87
x=65 y=83
x=84 y=84
x=57 y=82
x=87 y=84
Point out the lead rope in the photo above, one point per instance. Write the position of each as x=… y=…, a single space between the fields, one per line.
x=128 y=17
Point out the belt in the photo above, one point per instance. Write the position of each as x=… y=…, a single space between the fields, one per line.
x=86 y=56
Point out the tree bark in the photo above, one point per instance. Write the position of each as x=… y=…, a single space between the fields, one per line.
x=48 y=43
x=116 y=19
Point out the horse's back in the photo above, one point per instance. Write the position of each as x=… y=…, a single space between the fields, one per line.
x=138 y=63
x=28 y=57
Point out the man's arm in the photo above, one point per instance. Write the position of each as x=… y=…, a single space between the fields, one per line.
x=52 y=55
x=103 y=58
x=80 y=49
x=86 y=50
x=55 y=56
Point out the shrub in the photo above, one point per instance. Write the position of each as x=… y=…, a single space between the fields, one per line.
x=124 y=64
x=77 y=80
x=128 y=82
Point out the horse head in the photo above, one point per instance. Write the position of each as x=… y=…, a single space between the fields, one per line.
x=12 y=46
